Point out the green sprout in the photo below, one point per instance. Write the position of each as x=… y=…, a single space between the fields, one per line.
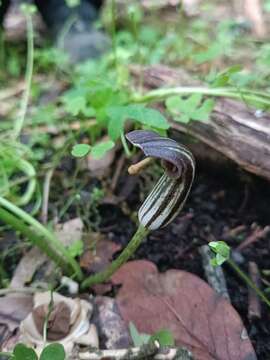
x=222 y=253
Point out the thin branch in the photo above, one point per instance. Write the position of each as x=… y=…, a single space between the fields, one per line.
x=151 y=352
x=28 y=77
x=46 y=194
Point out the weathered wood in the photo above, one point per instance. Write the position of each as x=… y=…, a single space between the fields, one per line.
x=215 y=275
x=254 y=304
x=233 y=130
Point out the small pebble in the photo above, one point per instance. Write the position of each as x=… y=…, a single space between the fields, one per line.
x=71 y=285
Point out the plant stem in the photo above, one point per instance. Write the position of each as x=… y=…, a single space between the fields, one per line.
x=247 y=280
x=125 y=145
x=47 y=317
x=161 y=94
x=37 y=240
x=28 y=77
x=129 y=250
x=39 y=235
x=113 y=34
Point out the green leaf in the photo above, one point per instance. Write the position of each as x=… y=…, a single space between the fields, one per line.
x=193 y=101
x=116 y=121
x=99 y=150
x=138 y=339
x=72 y=3
x=220 y=259
x=80 y=150
x=75 y=101
x=145 y=116
x=220 y=247
x=164 y=337
x=191 y=108
x=76 y=248
x=214 y=262
x=224 y=77
x=213 y=245
x=222 y=251
x=22 y=352
x=214 y=51
x=28 y=9
x=203 y=112
x=53 y=352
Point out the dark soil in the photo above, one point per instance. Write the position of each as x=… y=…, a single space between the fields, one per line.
x=218 y=203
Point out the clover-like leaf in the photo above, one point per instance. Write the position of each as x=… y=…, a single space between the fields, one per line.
x=100 y=149
x=192 y=108
x=80 y=150
x=53 y=352
x=22 y=352
x=148 y=117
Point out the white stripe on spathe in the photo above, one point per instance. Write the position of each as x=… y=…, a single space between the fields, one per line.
x=171 y=191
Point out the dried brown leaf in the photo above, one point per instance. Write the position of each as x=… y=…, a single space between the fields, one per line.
x=58 y=321
x=27 y=267
x=14 y=309
x=100 y=256
x=181 y=302
x=69 y=232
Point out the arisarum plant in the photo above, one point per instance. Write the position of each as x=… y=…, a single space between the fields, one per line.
x=165 y=200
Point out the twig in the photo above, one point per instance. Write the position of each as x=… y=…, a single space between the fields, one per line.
x=11 y=92
x=249 y=282
x=254 y=304
x=58 y=128
x=46 y=193
x=257 y=234
x=144 y=352
x=28 y=77
x=214 y=274
x=117 y=173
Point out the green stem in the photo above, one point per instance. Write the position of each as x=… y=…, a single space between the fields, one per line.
x=129 y=250
x=247 y=280
x=28 y=77
x=47 y=317
x=125 y=145
x=35 y=239
x=161 y=94
x=53 y=248
x=113 y=34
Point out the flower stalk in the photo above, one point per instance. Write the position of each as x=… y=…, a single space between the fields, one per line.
x=129 y=250
x=165 y=200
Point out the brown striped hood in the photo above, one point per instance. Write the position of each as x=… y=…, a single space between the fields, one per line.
x=170 y=193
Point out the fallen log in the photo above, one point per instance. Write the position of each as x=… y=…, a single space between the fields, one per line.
x=233 y=130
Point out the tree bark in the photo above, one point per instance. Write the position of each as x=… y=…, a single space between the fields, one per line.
x=233 y=129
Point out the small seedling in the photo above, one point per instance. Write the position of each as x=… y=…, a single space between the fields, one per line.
x=222 y=254
x=50 y=352
x=164 y=337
